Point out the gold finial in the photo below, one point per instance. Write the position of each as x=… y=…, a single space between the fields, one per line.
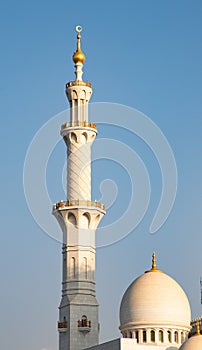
x=154 y=267
x=154 y=261
x=78 y=56
x=198 y=331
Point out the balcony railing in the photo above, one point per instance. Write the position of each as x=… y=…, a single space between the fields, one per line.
x=78 y=83
x=84 y=325
x=85 y=124
x=73 y=203
x=62 y=327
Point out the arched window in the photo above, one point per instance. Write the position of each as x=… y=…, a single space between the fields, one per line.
x=85 y=220
x=84 y=321
x=182 y=337
x=130 y=334
x=74 y=95
x=72 y=219
x=82 y=95
x=176 y=337
x=169 y=336
x=137 y=336
x=144 y=336
x=73 y=137
x=84 y=137
x=152 y=336
x=161 y=336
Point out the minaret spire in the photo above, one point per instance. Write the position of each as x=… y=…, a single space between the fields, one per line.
x=78 y=56
x=78 y=216
x=78 y=92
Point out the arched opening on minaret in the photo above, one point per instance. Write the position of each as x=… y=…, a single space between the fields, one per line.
x=85 y=220
x=73 y=137
x=169 y=336
x=176 y=337
x=84 y=137
x=182 y=337
x=152 y=336
x=72 y=219
x=74 y=95
x=83 y=95
x=137 y=336
x=144 y=336
x=96 y=221
x=161 y=336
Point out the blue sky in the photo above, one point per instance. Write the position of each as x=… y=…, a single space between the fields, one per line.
x=143 y=54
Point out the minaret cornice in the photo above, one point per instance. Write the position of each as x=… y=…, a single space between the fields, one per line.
x=71 y=204
x=83 y=126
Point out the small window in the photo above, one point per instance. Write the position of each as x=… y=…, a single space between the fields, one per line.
x=161 y=336
x=176 y=337
x=152 y=336
x=182 y=337
x=169 y=336
x=137 y=336
x=130 y=335
x=144 y=336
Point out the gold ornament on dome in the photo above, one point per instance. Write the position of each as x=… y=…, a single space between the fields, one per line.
x=78 y=56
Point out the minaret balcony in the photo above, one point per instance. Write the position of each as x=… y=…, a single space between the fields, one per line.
x=62 y=327
x=78 y=83
x=84 y=325
x=78 y=202
x=75 y=124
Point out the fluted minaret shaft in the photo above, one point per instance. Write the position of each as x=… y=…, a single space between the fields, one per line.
x=79 y=166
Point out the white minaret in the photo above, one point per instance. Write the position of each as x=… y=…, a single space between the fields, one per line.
x=78 y=217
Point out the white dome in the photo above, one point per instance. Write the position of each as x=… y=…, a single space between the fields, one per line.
x=155 y=299
x=193 y=343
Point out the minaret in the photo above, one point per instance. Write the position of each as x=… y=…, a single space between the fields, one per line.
x=78 y=217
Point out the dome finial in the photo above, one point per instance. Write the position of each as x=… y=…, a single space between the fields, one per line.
x=198 y=331
x=154 y=261
x=154 y=267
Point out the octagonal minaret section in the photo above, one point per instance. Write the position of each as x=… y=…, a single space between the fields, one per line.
x=78 y=217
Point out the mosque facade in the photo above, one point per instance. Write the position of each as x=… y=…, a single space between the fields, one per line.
x=154 y=312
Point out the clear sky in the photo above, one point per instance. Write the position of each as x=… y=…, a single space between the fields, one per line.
x=143 y=54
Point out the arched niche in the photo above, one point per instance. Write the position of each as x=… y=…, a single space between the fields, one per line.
x=85 y=220
x=73 y=137
x=72 y=219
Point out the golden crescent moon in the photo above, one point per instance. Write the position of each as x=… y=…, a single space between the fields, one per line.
x=78 y=29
